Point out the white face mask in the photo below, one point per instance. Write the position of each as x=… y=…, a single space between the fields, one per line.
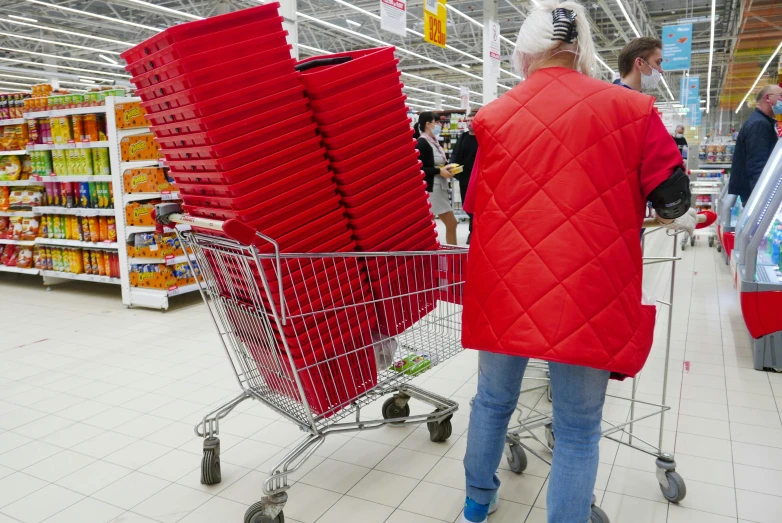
x=679 y=135
x=437 y=130
x=650 y=81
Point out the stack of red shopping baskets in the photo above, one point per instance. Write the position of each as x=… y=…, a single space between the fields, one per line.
x=361 y=114
x=230 y=113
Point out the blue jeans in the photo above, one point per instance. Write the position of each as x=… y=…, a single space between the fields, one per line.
x=579 y=395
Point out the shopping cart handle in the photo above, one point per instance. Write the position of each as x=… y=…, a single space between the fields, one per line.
x=170 y=214
x=702 y=221
x=322 y=62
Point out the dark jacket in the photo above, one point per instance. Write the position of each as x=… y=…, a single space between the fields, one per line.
x=464 y=154
x=426 y=155
x=756 y=140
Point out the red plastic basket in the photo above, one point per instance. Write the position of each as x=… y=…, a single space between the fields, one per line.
x=211 y=42
x=350 y=148
x=389 y=150
x=195 y=63
x=265 y=81
x=363 y=66
x=395 y=107
x=235 y=116
x=398 y=142
x=339 y=113
x=375 y=126
x=302 y=156
x=361 y=204
x=405 y=162
x=227 y=102
x=386 y=215
x=359 y=92
x=389 y=239
x=276 y=141
x=254 y=154
x=242 y=67
x=389 y=178
x=178 y=33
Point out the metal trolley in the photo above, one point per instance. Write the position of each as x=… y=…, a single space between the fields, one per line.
x=706 y=187
x=311 y=354
x=522 y=434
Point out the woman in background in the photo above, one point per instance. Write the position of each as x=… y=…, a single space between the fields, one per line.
x=433 y=158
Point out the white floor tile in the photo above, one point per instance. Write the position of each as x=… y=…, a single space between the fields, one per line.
x=627 y=508
x=93 y=477
x=131 y=490
x=435 y=501
x=87 y=510
x=172 y=503
x=41 y=504
x=762 y=508
x=318 y=502
x=335 y=475
x=16 y=486
x=383 y=488
x=408 y=463
x=58 y=466
x=217 y=509
x=354 y=510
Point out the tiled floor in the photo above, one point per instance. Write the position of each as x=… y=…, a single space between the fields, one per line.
x=97 y=404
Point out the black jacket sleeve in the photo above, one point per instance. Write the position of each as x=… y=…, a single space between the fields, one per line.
x=759 y=145
x=457 y=156
x=426 y=155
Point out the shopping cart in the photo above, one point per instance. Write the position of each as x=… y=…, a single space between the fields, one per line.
x=706 y=189
x=533 y=430
x=313 y=357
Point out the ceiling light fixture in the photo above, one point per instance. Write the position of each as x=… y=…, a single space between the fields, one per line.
x=87 y=80
x=16 y=83
x=68 y=68
x=65 y=58
x=432 y=93
x=54 y=42
x=93 y=15
x=711 y=55
x=762 y=72
x=424 y=107
x=23 y=18
x=166 y=9
x=629 y=20
x=466 y=66
x=351 y=22
x=16 y=76
x=74 y=33
x=107 y=59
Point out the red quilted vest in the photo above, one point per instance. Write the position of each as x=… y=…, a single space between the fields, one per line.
x=554 y=268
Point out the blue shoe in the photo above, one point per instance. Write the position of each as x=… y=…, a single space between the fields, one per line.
x=476 y=513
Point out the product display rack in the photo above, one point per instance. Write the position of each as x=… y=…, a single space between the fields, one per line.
x=130 y=296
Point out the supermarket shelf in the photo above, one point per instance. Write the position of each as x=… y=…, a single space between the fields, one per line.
x=157 y=299
x=76 y=211
x=17 y=270
x=18 y=183
x=21 y=152
x=66 y=112
x=140 y=196
x=124 y=133
x=152 y=261
x=714 y=166
x=13 y=121
x=76 y=243
x=100 y=178
x=23 y=214
x=133 y=229
x=124 y=166
x=23 y=243
x=70 y=145
x=81 y=277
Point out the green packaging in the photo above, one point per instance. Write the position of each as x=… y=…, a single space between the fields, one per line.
x=413 y=364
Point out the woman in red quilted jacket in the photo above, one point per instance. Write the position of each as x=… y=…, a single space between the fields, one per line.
x=566 y=165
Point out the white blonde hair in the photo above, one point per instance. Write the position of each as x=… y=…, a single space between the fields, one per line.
x=535 y=43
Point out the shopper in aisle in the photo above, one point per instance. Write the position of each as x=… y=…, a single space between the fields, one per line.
x=554 y=270
x=678 y=137
x=433 y=158
x=756 y=140
x=641 y=64
x=464 y=154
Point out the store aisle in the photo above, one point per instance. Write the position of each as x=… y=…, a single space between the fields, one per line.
x=97 y=405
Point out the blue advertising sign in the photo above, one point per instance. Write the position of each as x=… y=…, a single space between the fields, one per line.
x=694 y=111
x=689 y=89
x=677 y=47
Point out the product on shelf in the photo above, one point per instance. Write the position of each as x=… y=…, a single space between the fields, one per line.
x=148 y=179
x=25 y=198
x=93 y=229
x=139 y=147
x=79 y=195
x=159 y=276
x=96 y=262
x=154 y=245
x=45 y=99
x=140 y=213
x=130 y=115
x=12 y=105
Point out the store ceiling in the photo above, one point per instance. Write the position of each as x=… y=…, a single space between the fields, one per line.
x=351 y=27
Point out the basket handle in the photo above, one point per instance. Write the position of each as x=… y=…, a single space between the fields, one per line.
x=322 y=62
x=168 y=214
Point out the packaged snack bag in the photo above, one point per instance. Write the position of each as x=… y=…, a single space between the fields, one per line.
x=3 y=226
x=111 y=229
x=14 y=228
x=5 y=201
x=94 y=229
x=25 y=258
x=8 y=258
x=30 y=228
x=86 y=261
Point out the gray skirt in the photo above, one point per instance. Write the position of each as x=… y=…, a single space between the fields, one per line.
x=439 y=198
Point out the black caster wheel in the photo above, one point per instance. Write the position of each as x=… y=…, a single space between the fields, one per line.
x=210 y=462
x=440 y=432
x=692 y=241
x=711 y=241
x=550 y=439
x=255 y=514
x=392 y=410
x=719 y=247
x=517 y=458
x=598 y=515
x=684 y=245
x=676 y=490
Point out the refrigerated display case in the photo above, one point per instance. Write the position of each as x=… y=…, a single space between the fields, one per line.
x=756 y=261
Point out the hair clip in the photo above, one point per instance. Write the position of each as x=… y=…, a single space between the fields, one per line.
x=564 y=25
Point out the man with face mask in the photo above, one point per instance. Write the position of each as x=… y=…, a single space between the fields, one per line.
x=464 y=154
x=756 y=140
x=640 y=64
x=678 y=137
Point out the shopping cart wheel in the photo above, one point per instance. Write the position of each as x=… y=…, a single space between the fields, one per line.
x=255 y=514
x=598 y=516
x=719 y=247
x=549 y=427
x=517 y=458
x=440 y=431
x=676 y=490
x=711 y=241
x=210 y=462
x=692 y=241
x=392 y=409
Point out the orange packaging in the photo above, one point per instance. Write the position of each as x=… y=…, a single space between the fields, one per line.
x=103 y=227
x=111 y=229
x=90 y=128
x=94 y=229
x=130 y=115
x=138 y=213
x=163 y=279
x=149 y=179
x=87 y=262
x=97 y=263
x=139 y=147
x=107 y=263
x=78 y=127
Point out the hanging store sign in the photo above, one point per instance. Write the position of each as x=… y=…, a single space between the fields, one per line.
x=690 y=87
x=677 y=47
x=435 y=22
x=494 y=44
x=431 y=6
x=464 y=94
x=393 y=16
x=694 y=111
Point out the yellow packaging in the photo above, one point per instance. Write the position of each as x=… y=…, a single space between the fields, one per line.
x=78 y=262
x=76 y=167
x=54 y=126
x=86 y=261
x=65 y=129
x=87 y=159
